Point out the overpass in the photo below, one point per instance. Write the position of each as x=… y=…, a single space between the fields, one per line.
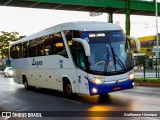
x=128 y=7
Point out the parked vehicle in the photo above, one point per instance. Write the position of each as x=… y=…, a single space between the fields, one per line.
x=8 y=72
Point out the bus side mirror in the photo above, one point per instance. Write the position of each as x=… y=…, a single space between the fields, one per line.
x=138 y=44
x=85 y=45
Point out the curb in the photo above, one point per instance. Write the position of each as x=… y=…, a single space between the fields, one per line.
x=149 y=84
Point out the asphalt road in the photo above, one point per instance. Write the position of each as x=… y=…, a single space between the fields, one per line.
x=13 y=97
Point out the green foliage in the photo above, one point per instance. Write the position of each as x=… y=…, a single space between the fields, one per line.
x=5 y=39
x=146 y=80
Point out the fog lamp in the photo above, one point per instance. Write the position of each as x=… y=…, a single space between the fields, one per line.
x=94 y=90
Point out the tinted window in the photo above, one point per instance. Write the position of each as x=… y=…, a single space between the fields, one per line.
x=59 y=45
x=25 y=50
x=48 y=45
x=78 y=54
x=13 y=51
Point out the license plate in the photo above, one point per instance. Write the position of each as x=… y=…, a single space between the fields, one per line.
x=116 y=88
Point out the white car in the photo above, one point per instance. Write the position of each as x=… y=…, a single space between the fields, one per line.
x=8 y=72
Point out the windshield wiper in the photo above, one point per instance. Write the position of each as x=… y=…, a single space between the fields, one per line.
x=115 y=57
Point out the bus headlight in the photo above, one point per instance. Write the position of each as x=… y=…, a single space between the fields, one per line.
x=97 y=80
x=131 y=76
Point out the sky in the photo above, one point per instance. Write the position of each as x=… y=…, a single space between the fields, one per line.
x=27 y=21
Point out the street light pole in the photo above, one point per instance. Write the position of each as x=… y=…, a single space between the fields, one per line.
x=157 y=38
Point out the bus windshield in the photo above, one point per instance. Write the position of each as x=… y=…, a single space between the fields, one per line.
x=110 y=51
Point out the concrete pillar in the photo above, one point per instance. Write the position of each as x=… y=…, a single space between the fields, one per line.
x=110 y=17
x=127 y=12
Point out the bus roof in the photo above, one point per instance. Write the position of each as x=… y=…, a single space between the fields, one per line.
x=81 y=26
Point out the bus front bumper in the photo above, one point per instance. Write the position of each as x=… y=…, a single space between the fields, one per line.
x=106 y=88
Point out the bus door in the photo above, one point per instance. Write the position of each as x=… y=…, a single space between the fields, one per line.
x=81 y=69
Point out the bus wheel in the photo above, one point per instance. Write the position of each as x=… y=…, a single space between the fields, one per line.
x=67 y=89
x=103 y=98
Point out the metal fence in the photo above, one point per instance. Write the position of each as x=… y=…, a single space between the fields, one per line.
x=147 y=67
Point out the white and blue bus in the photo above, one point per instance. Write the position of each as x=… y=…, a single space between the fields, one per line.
x=76 y=57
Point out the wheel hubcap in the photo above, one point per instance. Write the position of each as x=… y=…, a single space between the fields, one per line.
x=68 y=90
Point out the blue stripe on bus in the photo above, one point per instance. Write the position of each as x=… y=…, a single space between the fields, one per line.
x=106 y=88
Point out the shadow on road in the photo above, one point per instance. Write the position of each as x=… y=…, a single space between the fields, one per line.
x=110 y=100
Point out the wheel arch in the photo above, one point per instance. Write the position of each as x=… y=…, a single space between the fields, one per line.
x=24 y=77
x=66 y=79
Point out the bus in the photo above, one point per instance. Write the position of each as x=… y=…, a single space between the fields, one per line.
x=91 y=58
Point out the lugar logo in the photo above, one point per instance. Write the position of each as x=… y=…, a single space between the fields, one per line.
x=37 y=62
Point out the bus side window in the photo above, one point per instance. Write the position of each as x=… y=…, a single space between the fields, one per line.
x=13 y=52
x=40 y=49
x=80 y=56
x=25 y=50
x=32 y=51
x=59 y=45
x=19 y=50
x=40 y=46
x=47 y=49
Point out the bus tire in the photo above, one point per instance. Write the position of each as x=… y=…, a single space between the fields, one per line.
x=67 y=89
x=25 y=82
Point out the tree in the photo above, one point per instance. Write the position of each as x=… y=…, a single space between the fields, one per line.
x=5 y=39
